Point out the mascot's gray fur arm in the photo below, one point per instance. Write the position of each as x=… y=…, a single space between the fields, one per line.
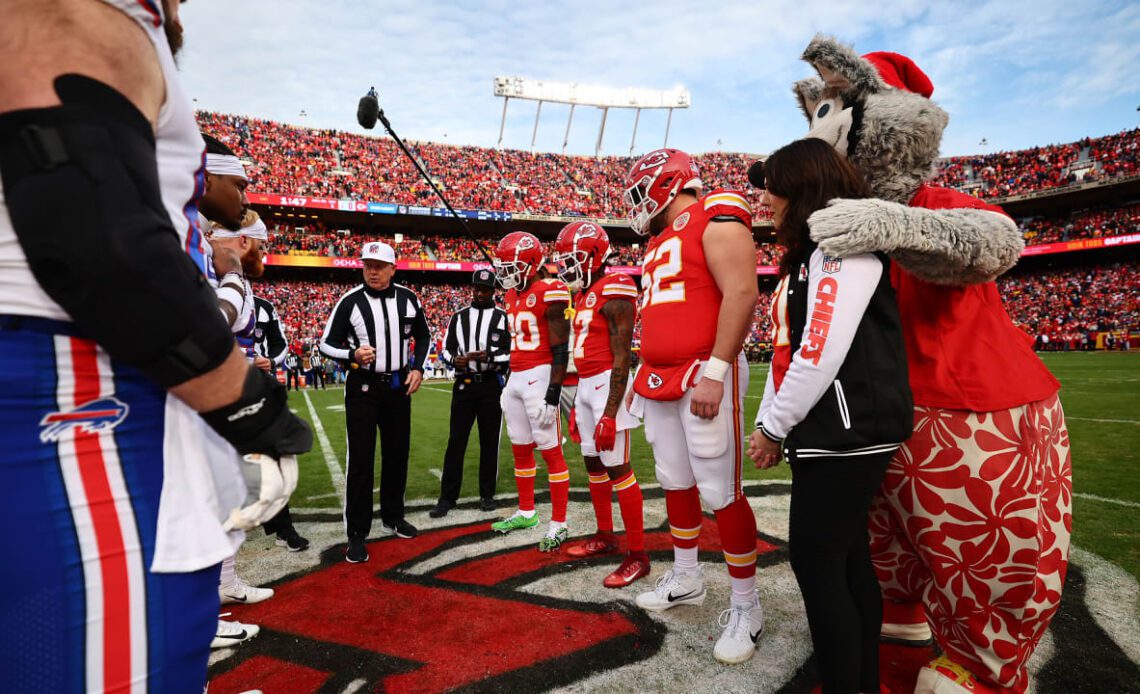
x=954 y=246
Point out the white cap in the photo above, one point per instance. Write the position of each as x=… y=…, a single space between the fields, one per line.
x=378 y=250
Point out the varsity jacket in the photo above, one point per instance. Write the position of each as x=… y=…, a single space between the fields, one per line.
x=842 y=389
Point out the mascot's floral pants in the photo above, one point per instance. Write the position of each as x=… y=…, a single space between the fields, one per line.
x=973 y=520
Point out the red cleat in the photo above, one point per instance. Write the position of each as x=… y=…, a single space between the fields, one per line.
x=596 y=546
x=630 y=570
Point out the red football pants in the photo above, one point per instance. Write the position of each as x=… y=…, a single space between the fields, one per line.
x=973 y=520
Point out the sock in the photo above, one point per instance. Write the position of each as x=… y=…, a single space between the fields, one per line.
x=737 y=526
x=601 y=493
x=229 y=575
x=524 y=476
x=629 y=500
x=559 y=476
x=684 y=509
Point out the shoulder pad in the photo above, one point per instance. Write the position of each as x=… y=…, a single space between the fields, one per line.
x=728 y=205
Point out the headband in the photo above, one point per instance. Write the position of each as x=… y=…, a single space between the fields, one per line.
x=224 y=165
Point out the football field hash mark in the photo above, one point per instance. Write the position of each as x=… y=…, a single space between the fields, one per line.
x=326 y=450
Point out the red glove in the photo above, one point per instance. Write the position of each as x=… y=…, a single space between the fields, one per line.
x=575 y=435
x=605 y=433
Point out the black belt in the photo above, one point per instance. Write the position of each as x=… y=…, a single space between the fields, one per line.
x=475 y=377
x=379 y=375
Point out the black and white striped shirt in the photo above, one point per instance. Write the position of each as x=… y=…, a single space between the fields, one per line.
x=270 y=336
x=387 y=320
x=476 y=330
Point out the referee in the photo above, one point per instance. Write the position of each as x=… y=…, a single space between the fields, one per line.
x=371 y=327
x=477 y=345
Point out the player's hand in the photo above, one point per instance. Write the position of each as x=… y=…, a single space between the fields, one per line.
x=575 y=435
x=461 y=361
x=226 y=258
x=478 y=355
x=547 y=413
x=415 y=378
x=764 y=451
x=364 y=355
x=605 y=433
x=705 y=402
x=262 y=363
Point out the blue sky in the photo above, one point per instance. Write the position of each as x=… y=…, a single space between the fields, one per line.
x=1013 y=72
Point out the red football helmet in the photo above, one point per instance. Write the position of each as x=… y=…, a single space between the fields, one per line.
x=580 y=251
x=654 y=181
x=517 y=259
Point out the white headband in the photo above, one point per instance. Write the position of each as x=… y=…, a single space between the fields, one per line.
x=224 y=165
x=257 y=230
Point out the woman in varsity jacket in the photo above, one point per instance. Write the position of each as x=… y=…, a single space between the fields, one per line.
x=836 y=405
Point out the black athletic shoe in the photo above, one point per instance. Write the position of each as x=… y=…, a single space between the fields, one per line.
x=356 y=553
x=487 y=503
x=441 y=509
x=292 y=541
x=402 y=529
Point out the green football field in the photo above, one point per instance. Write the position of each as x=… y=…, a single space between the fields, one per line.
x=1100 y=392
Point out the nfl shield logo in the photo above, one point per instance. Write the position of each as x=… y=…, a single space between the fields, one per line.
x=831 y=264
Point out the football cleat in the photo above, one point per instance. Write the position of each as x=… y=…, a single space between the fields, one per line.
x=630 y=570
x=240 y=592
x=233 y=633
x=674 y=589
x=944 y=676
x=553 y=539
x=742 y=629
x=292 y=541
x=516 y=522
x=601 y=543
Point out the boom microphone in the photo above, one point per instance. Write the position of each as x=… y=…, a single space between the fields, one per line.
x=368 y=112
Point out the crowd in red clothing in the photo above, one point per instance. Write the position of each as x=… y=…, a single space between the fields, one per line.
x=1082 y=224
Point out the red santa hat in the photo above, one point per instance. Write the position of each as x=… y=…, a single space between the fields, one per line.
x=900 y=72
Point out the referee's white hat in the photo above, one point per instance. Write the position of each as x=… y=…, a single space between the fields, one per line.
x=378 y=250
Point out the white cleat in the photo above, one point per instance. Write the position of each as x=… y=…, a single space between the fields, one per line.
x=674 y=589
x=240 y=592
x=233 y=633
x=742 y=629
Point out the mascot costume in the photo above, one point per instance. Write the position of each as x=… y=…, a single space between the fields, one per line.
x=970 y=532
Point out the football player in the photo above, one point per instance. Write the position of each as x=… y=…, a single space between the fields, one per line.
x=604 y=313
x=536 y=315
x=699 y=280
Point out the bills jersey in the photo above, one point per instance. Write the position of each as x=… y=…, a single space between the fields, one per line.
x=681 y=301
x=181 y=156
x=526 y=316
x=591 y=333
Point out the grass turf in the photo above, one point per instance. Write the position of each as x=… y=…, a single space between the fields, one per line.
x=1099 y=393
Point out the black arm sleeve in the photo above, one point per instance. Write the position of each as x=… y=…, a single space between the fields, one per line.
x=109 y=255
x=451 y=341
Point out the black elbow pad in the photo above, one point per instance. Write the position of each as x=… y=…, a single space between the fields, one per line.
x=82 y=190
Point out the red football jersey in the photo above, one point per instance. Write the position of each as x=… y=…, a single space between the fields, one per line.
x=526 y=314
x=592 y=353
x=681 y=302
x=964 y=352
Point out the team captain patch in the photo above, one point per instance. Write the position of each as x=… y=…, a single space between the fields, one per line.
x=831 y=265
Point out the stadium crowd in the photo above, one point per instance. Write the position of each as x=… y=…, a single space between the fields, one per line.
x=1082 y=224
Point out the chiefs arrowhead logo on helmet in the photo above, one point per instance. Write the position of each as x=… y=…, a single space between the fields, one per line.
x=654 y=181
x=580 y=252
x=517 y=259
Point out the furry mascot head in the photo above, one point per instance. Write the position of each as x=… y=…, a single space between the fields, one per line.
x=876 y=110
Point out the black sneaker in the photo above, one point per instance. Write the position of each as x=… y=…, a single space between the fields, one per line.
x=356 y=553
x=441 y=509
x=292 y=541
x=402 y=529
x=487 y=503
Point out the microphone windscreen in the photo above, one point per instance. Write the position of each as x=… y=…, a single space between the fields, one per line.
x=368 y=111
x=756 y=174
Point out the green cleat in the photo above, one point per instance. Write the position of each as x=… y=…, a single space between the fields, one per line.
x=553 y=540
x=515 y=522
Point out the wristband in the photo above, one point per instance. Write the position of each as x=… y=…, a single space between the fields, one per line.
x=553 y=394
x=716 y=369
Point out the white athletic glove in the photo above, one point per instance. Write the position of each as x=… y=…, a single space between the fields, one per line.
x=546 y=414
x=278 y=480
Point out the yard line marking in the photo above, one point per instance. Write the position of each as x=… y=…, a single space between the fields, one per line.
x=442 y=390
x=335 y=408
x=331 y=495
x=1106 y=421
x=436 y=472
x=1106 y=500
x=326 y=450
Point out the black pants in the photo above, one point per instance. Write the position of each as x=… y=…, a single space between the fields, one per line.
x=370 y=402
x=292 y=379
x=831 y=558
x=316 y=378
x=471 y=400
x=282 y=522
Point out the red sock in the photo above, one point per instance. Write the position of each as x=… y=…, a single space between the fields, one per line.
x=559 y=476
x=601 y=494
x=684 y=509
x=629 y=500
x=524 y=475
x=737 y=526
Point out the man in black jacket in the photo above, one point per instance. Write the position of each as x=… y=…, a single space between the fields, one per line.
x=371 y=327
